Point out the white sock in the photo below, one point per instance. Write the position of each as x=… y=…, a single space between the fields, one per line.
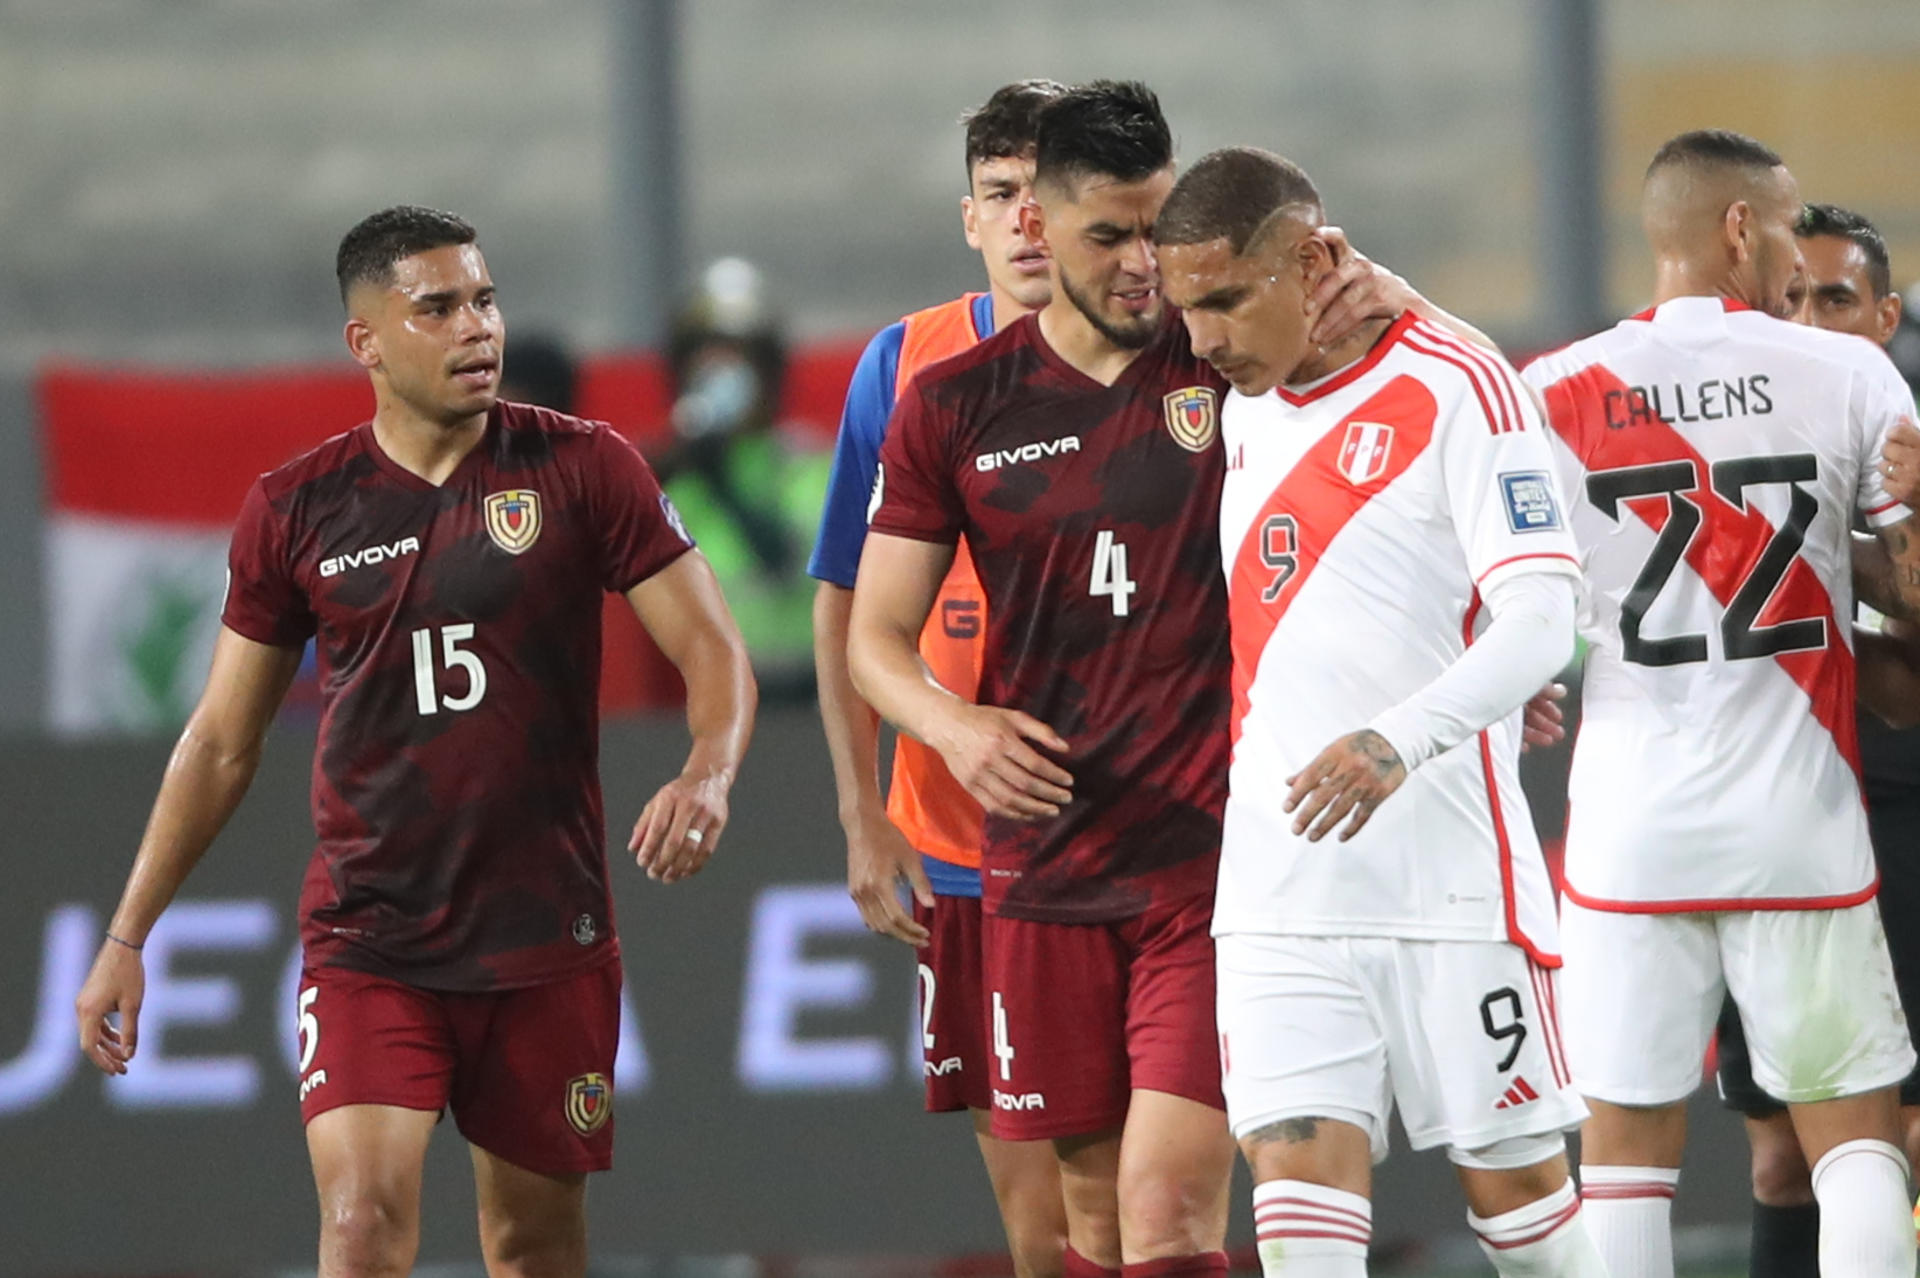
x=1866 y=1230
x=1545 y=1239
x=1311 y=1231
x=1629 y=1213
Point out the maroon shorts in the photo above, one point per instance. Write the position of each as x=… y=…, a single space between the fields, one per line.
x=1081 y=1015
x=953 y=1019
x=528 y=1073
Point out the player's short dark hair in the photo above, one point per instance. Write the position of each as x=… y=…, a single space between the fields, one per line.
x=368 y=252
x=1714 y=148
x=1231 y=194
x=1831 y=219
x=1109 y=128
x=1007 y=124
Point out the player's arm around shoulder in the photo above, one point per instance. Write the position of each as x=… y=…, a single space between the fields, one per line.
x=683 y=610
x=210 y=769
x=985 y=747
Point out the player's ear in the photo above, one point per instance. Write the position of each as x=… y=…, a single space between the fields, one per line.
x=362 y=343
x=1889 y=311
x=1737 y=226
x=969 y=222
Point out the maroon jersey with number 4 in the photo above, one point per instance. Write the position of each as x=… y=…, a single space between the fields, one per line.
x=1092 y=514
x=456 y=789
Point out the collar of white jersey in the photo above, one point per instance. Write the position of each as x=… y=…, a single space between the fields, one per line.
x=1692 y=312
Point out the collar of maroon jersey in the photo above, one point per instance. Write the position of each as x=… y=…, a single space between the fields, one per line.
x=1728 y=306
x=1358 y=368
x=388 y=465
x=1169 y=317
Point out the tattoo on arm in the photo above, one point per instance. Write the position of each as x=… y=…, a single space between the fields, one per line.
x=1381 y=754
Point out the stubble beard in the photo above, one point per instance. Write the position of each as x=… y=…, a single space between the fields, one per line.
x=1132 y=338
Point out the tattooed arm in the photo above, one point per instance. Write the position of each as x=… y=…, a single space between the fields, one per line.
x=1529 y=639
x=1897 y=584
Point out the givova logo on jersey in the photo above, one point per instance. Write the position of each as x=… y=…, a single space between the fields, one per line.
x=1364 y=451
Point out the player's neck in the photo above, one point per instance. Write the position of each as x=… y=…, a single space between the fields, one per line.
x=1075 y=340
x=1325 y=363
x=431 y=449
x=1682 y=277
x=1007 y=311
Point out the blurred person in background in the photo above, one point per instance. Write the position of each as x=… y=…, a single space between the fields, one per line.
x=925 y=834
x=748 y=490
x=458 y=939
x=1846 y=287
x=542 y=372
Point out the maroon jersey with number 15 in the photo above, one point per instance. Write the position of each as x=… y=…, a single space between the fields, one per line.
x=1092 y=514
x=456 y=790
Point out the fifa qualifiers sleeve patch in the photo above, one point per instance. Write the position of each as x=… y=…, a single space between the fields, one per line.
x=672 y=513
x=1530 y=502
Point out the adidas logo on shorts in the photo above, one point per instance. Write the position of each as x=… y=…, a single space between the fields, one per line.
x=1519 y=1094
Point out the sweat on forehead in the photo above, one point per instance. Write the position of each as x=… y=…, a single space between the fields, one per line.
x=1237 y=194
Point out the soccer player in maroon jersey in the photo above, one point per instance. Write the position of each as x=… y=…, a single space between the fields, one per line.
x=1076 y=452
x=927 y=819
x=450 y=557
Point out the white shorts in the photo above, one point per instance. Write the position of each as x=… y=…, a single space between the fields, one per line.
x=1461 y=1034
x=1814 y=988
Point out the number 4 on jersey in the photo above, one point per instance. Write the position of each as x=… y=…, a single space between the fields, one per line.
x=1110 y=572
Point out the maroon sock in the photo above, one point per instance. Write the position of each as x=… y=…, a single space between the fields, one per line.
x=1208 y=1264
x=1076 y=1265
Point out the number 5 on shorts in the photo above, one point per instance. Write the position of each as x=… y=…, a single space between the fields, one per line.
x=309 y=1028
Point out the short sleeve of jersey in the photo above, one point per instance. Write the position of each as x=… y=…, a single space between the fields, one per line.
x=639 y=530
x=264 y=602
x=1504 y=492
x=1883 y=400
x=914 y=494
x=856 y=459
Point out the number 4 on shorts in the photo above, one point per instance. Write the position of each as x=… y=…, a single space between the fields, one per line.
x=1002 y=1045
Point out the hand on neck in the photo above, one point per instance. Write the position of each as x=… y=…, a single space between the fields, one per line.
x=1328 y=360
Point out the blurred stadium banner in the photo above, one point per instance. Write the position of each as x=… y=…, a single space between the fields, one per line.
x=145 y=471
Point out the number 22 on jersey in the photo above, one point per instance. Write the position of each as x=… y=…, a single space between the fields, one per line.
x=1676 y=486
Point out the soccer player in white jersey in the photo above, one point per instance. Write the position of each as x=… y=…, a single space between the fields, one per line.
x=1399 y=583
x=1714 y=456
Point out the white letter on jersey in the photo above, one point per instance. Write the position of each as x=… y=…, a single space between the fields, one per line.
x=1110 y=572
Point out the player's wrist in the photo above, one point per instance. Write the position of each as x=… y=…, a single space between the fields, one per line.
x=1403 y=736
